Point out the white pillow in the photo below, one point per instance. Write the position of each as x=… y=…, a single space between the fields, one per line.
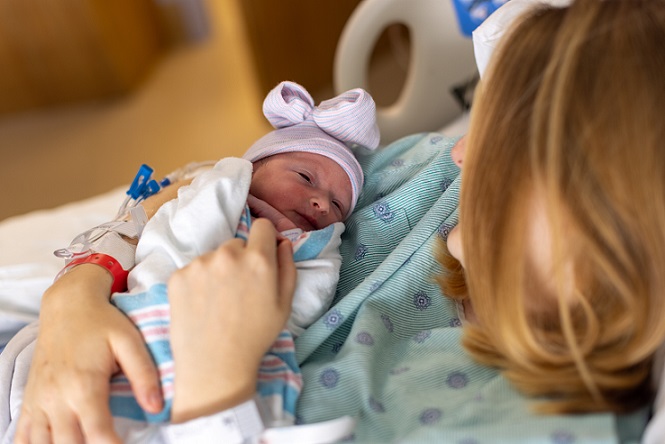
x=486 y=37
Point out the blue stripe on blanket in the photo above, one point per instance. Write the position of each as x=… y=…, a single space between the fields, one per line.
x=288 y=393
x=279 y=374
x=152 y=323
x=127 y=407
x=244 y=224
x=156 y=295
x=315 y=244
x=155 y=327
x=149 y=311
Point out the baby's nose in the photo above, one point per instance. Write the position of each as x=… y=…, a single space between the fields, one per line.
x=320 y=204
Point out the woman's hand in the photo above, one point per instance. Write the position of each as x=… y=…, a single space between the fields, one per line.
x=227 y=308
x=83 y=340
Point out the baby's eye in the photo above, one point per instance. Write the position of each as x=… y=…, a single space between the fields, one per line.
x=306 y=177
x=337 y=204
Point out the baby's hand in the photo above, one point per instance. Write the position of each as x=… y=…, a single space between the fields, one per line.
x=261 y=208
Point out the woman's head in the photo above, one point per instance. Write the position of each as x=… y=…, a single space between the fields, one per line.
x=563 y=205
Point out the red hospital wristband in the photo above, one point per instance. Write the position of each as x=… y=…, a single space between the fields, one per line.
x=108 y=262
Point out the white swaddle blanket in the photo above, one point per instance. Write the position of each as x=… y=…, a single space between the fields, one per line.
x=206 y=214
x=210 y=211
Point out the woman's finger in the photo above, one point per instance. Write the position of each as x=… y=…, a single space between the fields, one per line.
x=286 y=273
x=65 y=428
x=22 y=435
x=262 y=237
x=39 y=431
x=95 y=416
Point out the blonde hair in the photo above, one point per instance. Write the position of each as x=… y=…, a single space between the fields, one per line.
x=570 y=114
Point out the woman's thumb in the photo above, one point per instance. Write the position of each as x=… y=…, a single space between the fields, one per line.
x=139 y=368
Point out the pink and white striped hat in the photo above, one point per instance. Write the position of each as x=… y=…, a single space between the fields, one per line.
x=329 y=129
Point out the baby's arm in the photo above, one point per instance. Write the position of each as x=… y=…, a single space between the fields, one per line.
x=261 y=208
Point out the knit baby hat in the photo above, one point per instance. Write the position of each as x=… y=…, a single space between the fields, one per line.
x=329 y=129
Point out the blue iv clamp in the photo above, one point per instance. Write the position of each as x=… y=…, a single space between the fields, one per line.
x=142 y=187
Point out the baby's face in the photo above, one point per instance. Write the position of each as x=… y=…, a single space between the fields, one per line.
x=310 y=190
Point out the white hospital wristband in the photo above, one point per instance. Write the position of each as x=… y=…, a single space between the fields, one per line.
x=241 y=424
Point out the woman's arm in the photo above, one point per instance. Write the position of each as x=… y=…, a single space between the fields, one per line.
x=82 y=341
x=154 y=202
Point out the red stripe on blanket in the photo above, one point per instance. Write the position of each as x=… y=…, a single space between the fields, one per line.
x=290 y=378
x=154 y=313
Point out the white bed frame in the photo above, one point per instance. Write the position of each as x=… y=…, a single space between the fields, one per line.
x=440 y=58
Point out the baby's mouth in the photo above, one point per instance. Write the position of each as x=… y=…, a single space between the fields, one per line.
x=305 y=222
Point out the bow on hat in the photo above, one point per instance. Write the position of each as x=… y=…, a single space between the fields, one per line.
x=349 y=117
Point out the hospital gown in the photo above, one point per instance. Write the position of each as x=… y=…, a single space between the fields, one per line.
x=389 y=352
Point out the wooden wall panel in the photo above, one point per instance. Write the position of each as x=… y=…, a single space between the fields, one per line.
x=295 y=39
x=60 y=51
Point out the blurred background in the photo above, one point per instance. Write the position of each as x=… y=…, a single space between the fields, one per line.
x=91 y=89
